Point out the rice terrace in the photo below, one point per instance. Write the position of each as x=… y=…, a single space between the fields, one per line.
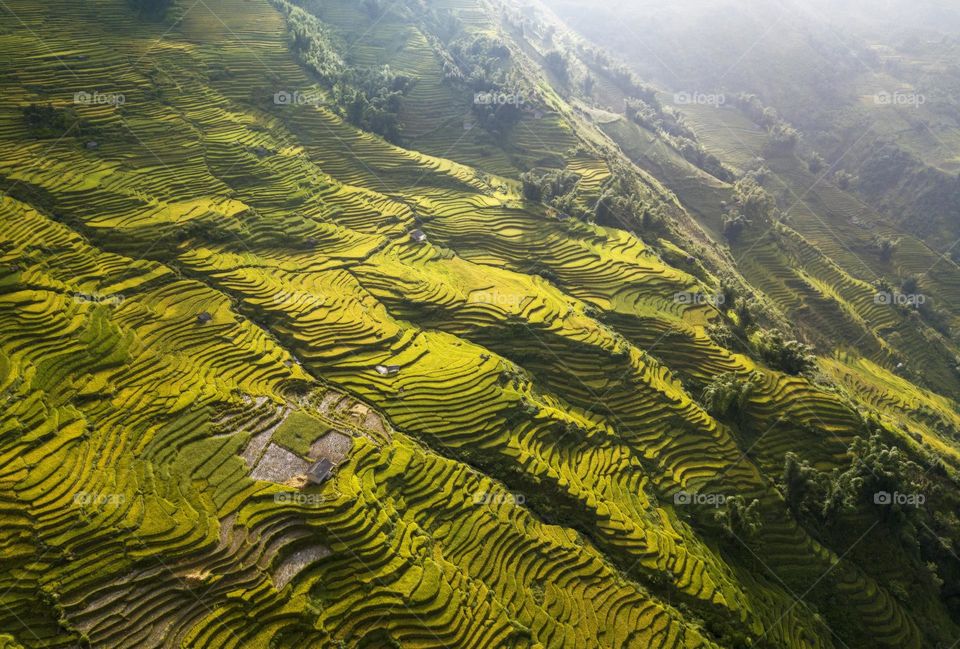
x=479 y=324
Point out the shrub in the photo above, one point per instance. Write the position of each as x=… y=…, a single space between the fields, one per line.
x=45 y=120
x=885 y=247
x=790 y=356
x=816 y=163
x=739 y=518
x=558 y=64
x=728 y=394
x=151 y=8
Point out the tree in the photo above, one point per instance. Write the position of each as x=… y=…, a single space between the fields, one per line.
x=845 y=180
x=804 y=487
x=151 y=8
x=46 y=120
x=885 y=247
x=756 y=204
x=589 y=82
x=728 y=394
x=790 y=356
x=816 y=163
x=373 y=8
x=733 y=226
x=531 y=187
x=739 y=518
x=558 y=64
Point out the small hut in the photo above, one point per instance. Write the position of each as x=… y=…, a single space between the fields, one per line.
x=320 y=471
x=387 y=370
x=418 y=236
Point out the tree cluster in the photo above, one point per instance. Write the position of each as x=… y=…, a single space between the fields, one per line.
x=783 y=137
x=151 y=8
x=875 y=467
x=728 y=394
x=370 y=98
x=789 y=356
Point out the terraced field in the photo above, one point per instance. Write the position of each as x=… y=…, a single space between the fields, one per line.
x=247 y=404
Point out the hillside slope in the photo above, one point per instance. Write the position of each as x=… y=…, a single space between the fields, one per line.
x=213 y=273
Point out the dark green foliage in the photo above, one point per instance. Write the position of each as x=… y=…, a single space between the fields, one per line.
x=47 y=121
x=783 y=137
x=815 y=495
x=549 y=185
x=753 y=205
x=875 y=468
x=312 y=43
x=620 y=205
x=885 y=247
x=621 y=76
x=753 y=201
x=816 y=163
x=845 y=180
x=371 y=99
x=558 y=64
x=790 y=356
x=374 y=8
x=733 y=226
x=804 y=487
x=479 y=62
x=739 y=518
x=728 y=394
x=151 y=8
x=694 y=153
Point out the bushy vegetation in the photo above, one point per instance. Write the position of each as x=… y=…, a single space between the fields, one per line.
x=558 y=63
x=481 y=64
x=48 y=121
x=695 y=153
x=619 y=204
x=753 y=204
x=783 y=137
x=549 y=185
x=728 y=394
x=644 y=109
x=479 y=61
x=313 y=43
x=370 y=98
x=151 y=8
x=739 y=518
x=790 y=356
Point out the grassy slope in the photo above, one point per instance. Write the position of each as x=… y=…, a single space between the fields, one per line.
x=302 y=259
